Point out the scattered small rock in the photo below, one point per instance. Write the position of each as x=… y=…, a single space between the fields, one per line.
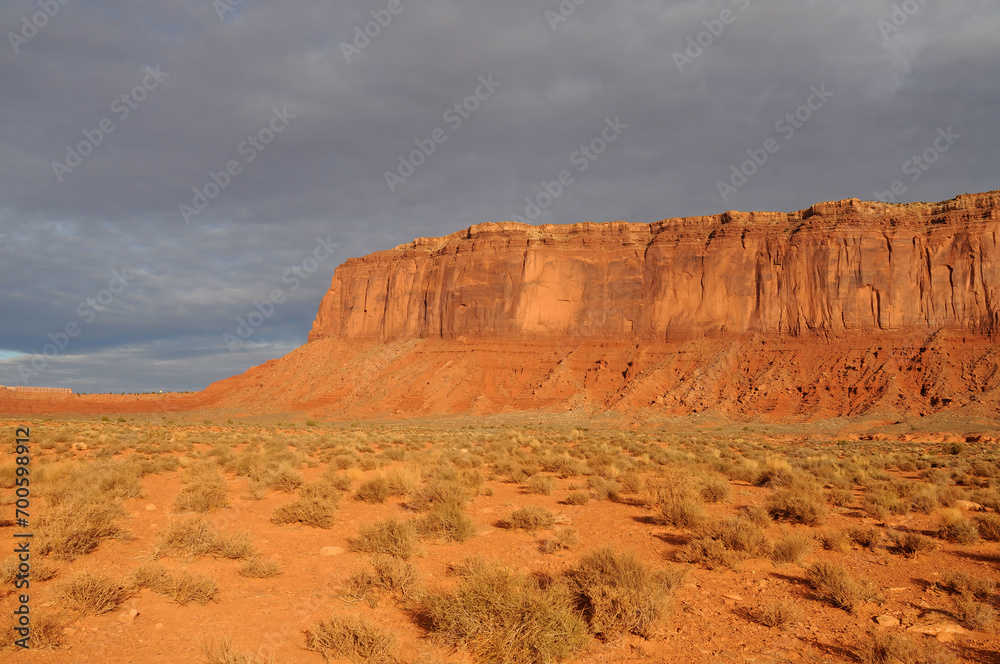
x=968 y=505
x=887 y=621
x=150 y=507
x=158 y=626
x=331 y=551
x=733 y=597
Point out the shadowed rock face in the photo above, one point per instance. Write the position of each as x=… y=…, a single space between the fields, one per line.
x=835 y=270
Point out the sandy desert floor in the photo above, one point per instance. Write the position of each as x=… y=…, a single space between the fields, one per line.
x=527 y=539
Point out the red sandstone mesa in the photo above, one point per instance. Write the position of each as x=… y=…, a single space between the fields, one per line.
x=846 y=308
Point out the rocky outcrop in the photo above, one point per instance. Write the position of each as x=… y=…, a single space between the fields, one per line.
x=835 y=270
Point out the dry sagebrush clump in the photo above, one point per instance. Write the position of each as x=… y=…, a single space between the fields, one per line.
x=390 y=537
x=354 y=638
x=93 y=594
x=502 y=617
x=618 y=595
x=196 y=537
x=833 y=584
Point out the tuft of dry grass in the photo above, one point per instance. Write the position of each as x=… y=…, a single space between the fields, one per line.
x=988 y=525
x=355 y=638
x=834 y=540
x=911 y=543
x=447 y=521
x=563 y=538
x=676 y=500
x=502 y=617
x=197 y=587
x=260 y=568
x=725 y=543
x=197 y=537
x=530 y=518
x=885 y=647
x=205 y=493
x=93 y=594
x=618 y=595
x=963 y=583
x=972 y=613
x=790 y=548
x=777 y=613
x=956 y=528
x=833 y=584
x=390 y=537
x=312 y=510
x=577 y=498
x=375 y=490
x=46 y=633
x=223 y=651
x=75 y=528
x=798 y=504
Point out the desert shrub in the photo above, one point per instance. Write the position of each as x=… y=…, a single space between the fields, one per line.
x=285 y=478
x=563 y=538
x=798 y=504
x=777 y=613
x=542 y=484
x=403 y=480
x=187 y=587
x=867 y=536
x=834 y=540
x=879 y=503
x=963 y=583
x=725 y=542
x=386 y=575
x=956 y=528
x=314 y=511
x=260 y=568
x=618 y=595
x=46 y=633
x=577 y=498
x=502 y=617
x=41 y=570
x=988 y=526
x=790 y=548
x=840 y=497
x=756 y=515
x=530 y=518
x=677 y=500
x=715 y=489
x=603 y=488
x=93 y=594
x=223 y=651
x=354 y=638
x=390 y=537
x=196 y=537
x=74 y=528
x=440 y=492
x=776 y=473
x=885 y=647
x=631 y=482
x=911 y=543
x=202 y=495
x=375 y=490
x=833 y=584
x=924 y=499
x=972 y=613
x=447 y=521
x=154 y=576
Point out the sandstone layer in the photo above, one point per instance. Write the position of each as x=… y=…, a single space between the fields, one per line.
x=841 y=268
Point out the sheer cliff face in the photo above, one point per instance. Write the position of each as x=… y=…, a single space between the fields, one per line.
x=834 y=269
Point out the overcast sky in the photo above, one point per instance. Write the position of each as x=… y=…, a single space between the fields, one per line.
x=113 y=113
